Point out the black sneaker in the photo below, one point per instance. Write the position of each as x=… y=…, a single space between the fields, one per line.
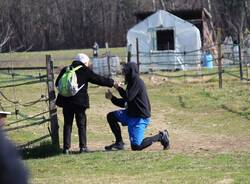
x=115 y=147
x=66 y=151
x=165 y=139
x=83 y=150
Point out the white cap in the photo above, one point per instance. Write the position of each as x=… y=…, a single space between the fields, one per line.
x=4 y=113
x=83 y=58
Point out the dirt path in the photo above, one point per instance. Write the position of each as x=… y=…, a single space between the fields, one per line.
x=183 y=141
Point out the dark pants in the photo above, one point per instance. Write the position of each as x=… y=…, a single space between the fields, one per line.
x=81 y=121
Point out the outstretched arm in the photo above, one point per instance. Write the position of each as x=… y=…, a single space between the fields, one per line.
x=99 y=80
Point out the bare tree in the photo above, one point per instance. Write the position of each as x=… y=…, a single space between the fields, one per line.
x=5 y=36
x=233 y=16
x=154 y=5
x=163 y=5
x=209 y=5
x=64 y=24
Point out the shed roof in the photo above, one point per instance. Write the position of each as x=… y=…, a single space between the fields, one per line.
x=184 y=14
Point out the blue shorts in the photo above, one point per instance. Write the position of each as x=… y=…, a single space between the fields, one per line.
x=136 y=126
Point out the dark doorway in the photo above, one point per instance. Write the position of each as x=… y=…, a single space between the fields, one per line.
x=165 y=40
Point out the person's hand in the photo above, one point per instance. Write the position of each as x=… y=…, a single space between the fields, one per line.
x=116 y=85
x=108 y=94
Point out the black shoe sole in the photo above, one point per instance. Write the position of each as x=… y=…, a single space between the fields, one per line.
x=113 y=149
x=165 y=136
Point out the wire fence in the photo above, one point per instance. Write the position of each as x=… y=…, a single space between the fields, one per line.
x=233 y=56
x=193 y=63
x=235 y=60
x=16 y=86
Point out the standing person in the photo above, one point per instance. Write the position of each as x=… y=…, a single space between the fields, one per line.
x=76 y=105
x=12 y=169
x=136 y=114
x=95 y=49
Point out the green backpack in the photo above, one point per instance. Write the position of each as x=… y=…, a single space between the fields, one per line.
x=68 y=85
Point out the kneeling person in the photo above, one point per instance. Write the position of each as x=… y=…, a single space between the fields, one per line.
x=136 y=113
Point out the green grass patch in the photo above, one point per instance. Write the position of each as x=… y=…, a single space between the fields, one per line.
x=141 y=167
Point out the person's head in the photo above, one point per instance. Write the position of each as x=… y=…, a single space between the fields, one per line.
x=82 y=58
x=130 y=71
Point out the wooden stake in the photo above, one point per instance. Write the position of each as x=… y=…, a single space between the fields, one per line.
x=137 y=54
x=108 y=59
x=129 y=53
x=52 y=105
x=240 y=61
x=219 y=57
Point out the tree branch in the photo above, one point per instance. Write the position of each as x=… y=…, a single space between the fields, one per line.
x=4 y=38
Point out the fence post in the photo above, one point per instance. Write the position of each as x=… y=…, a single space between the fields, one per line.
x=240 y=61
x=219 y=57
x=52 y=106
x=108 y=59
x=129 y=53
x=137 y=54
x=246 y=63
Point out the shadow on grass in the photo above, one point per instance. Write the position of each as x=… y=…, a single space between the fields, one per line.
x=44 y=150
x=243 y=114
x=76 y=152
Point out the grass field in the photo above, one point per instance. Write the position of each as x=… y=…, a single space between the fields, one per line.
x=209 y=130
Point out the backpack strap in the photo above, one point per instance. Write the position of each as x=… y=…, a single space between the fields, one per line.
x=76 y=68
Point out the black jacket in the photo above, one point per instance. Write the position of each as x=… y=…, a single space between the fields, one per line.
x=135 y=96
x=12 y=169
x=84 y=75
